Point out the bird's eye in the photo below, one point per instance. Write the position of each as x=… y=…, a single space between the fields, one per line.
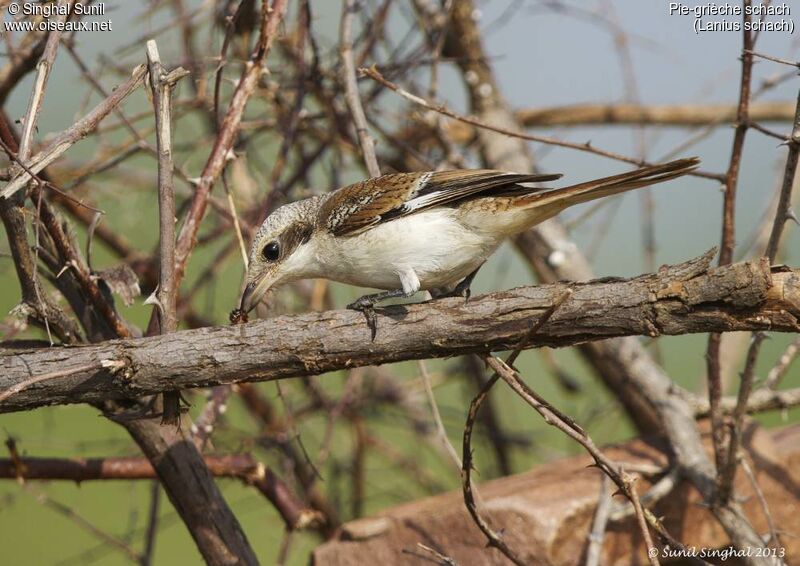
x=271 y=251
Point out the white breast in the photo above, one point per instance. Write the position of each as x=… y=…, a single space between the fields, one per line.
x=439 y=249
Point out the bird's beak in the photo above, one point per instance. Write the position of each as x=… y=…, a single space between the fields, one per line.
x=253 y=293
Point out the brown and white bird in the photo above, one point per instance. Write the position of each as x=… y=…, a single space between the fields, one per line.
x=408 y=232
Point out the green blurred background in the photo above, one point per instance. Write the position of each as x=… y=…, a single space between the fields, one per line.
x=542 y=57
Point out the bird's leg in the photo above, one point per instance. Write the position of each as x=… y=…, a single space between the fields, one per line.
x=462 y=289
x=368 y=301
x=366 y=304
x=410 y=285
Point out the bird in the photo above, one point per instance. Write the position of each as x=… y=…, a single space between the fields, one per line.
x=418 y=231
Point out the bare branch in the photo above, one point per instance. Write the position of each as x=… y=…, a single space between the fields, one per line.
x=43 y=68
x=237 y=466
x=778 y=371
x=599 y=523
x=728 y=473
x=784 y=210
x=271 y=17
x=351 y=88
x=713 y=368
x=375 y=75
x=677 y=300
x=75 y=133
x=161 y=87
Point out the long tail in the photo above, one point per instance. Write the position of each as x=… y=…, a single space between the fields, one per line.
x=553 y=201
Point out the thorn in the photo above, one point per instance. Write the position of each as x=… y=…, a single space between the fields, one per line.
x=792 y=216
x=153 y=300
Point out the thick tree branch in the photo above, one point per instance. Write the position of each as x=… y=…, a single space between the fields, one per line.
x=681 y=299
x=626 y=114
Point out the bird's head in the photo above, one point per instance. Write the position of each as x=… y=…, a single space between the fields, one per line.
x=280 y=250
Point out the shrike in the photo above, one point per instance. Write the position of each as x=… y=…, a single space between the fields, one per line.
x=407 y=232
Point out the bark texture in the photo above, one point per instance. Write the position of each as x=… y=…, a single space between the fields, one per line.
x=681 y=299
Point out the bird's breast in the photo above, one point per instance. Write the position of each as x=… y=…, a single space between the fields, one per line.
x=435 y=244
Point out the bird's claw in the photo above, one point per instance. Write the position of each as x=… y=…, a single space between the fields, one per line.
x=458 y=291
x=367 y=307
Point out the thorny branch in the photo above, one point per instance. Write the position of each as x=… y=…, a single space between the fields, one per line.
x=745 y=296
x=161 y=87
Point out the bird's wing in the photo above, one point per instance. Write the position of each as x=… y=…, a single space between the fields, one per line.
x=356 y=208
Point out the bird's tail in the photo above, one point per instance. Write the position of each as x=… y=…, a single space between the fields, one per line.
x=550 y=202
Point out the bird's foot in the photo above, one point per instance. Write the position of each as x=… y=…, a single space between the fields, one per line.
x=458 y=291
x=368 y=309
x=366 y=305
x=463 y=287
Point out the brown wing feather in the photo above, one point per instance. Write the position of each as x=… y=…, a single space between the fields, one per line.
x=355 y=208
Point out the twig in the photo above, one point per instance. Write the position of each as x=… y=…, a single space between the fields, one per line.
x=431 y=555
x=85 y=524
x=42 y=310
x=494 y=538
x=351 y=87
x=466 y=464
x=714 y=371
x=727 y=474
x=283 y=551
x=116 y=468
x=778 y=371
x=630 y=482
x=784 y=210
x=646 y=114
x=598 y=530
x=75 y=133
x=207 y=420
x=152 y=524
x=70 y=257
x=375 y=75
x=43 y=68
x=271 y=17
x=21 y=62
x=161 y=87
x=774 y=59
x=499 y=439
x=742 y=121
x=762 y=399
x=565 y=424
x=437 y=417
x=656 y=493
x=774 y=537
